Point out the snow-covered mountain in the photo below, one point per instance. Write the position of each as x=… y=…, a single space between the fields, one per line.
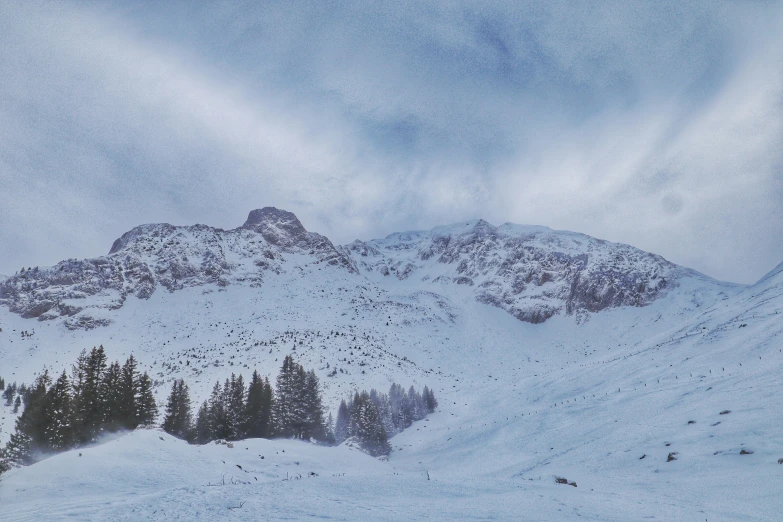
x=161 y=255
x=552 y=354
x=531 y=272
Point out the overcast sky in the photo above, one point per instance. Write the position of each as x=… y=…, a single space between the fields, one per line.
x=658 y=124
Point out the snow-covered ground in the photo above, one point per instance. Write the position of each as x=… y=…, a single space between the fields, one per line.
x=601 y=399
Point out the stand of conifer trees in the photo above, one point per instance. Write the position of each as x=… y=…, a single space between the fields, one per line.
x=373 y=417
x=71 y=411
x=98 y=397
x=294 y=409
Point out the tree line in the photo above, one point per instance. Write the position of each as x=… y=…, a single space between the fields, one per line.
x=74 y=410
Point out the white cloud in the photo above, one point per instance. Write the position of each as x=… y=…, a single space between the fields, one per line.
x=654 y=124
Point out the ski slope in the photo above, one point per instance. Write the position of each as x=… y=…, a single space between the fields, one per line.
x=582 y=396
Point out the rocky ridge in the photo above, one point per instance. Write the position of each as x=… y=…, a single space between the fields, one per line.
x=531 y=272
x=162 y=255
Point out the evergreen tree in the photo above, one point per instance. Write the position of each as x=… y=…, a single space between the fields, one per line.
x=178 y=420
x=203 y=430
x=236 y=408
x=29 y=437
x=267 y=409
x=185 y=418
x=58 y=431
x=88 y=377
x=299 y=419
x=17 y=403
x=329 y=438
x=430 y=400
x=298 y=408
x=285 y=415
x=254 y=423
x=368 y=428
x=19 y=449
x=415 y=404
x=341 y=425
x=8 y=395
x=314 y=411
x=225 y=399
x=111 y=398
x=383 y=404
x=129 y=393
x=400 y=415
x=217 y=413
x=146 y=408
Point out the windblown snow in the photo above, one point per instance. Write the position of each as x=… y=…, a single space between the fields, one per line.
x=552 y=354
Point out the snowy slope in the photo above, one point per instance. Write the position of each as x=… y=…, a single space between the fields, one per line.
x=520 y=403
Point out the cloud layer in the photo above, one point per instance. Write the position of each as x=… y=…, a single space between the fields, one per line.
x=655 y=124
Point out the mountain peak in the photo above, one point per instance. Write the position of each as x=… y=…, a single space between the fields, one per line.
x=274 y=216
x=278 y=227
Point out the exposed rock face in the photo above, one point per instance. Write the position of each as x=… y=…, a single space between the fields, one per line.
x=162 y=255
x=531 y=272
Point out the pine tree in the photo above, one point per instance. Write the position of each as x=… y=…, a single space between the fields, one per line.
x=368 y=428
x=285 y=395
x=178 y=420
x=146 y=408
x=400 y=415
x=17 y=403
x=314 y=411
x=414 y=400
x=430 y=400
x=383 y=404
x=298 y=409
x=129 y=393
x=329 y=439
x=203 y=430
x=185 y=418
x=235 y=399
x=29 y=437
x=19 y=449
x=217 y=413
x=298 y=421
x=267 y=409
x=341 y=425
x=110 y=397
x=88 y=375
x=254 y=422
x=58 y=431
x=9 y=394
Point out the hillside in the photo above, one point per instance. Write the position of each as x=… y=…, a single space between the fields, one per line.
x=557 y=355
